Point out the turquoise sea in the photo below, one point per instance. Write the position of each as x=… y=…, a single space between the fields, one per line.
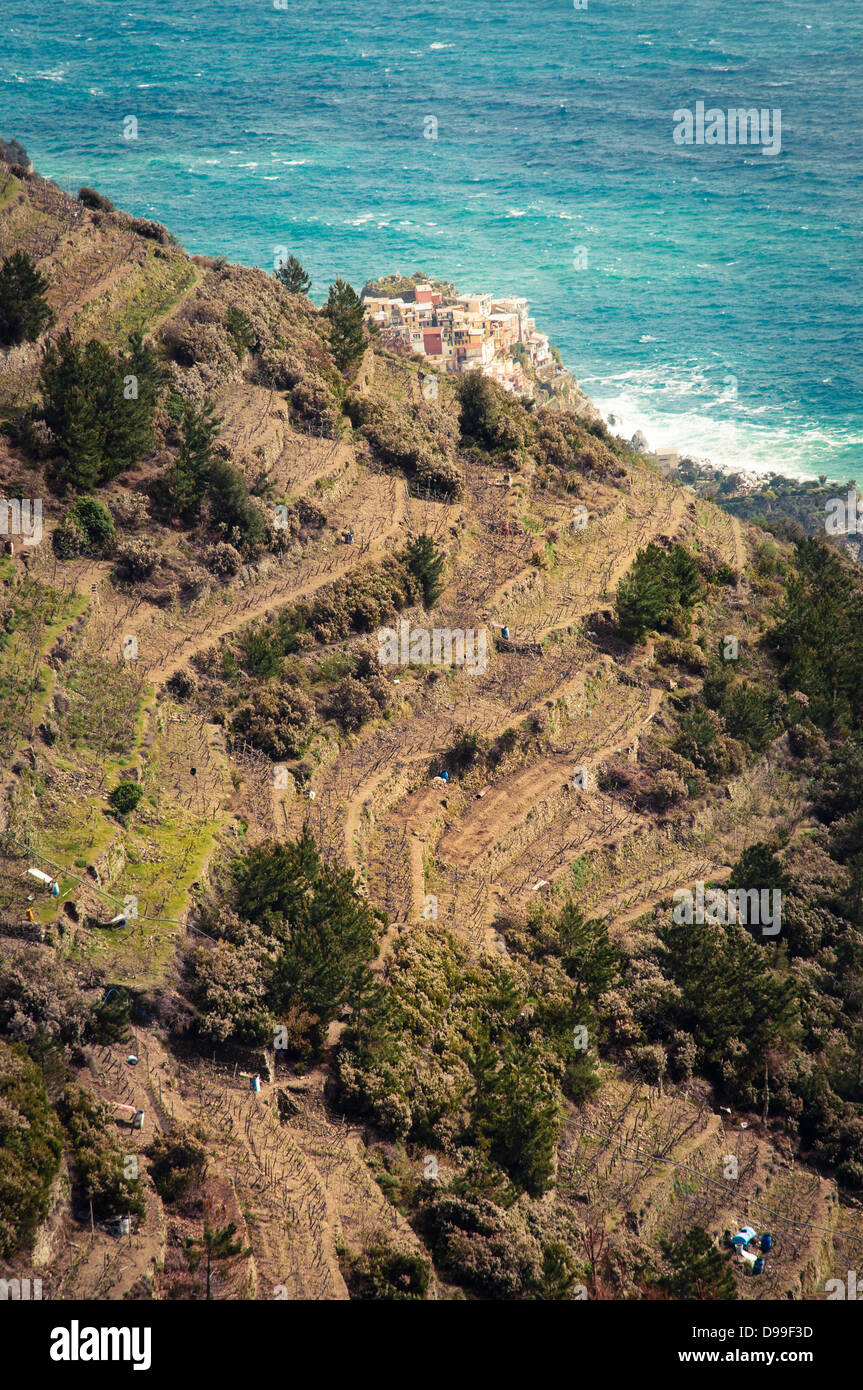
x=709 y=295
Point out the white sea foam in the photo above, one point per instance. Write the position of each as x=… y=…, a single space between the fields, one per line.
x=733 y=445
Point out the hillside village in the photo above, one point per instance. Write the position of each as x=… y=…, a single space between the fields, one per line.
x=462 y=332
x=371 y=966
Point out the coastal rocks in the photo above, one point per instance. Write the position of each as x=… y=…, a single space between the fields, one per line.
x=556 y=388
x=639 y=442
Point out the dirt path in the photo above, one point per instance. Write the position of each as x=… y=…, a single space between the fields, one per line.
x=739 y=546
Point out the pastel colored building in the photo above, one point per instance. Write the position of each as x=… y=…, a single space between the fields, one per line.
x=463 y=332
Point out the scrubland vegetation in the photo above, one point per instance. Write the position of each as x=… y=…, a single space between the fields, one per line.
x=467 y=997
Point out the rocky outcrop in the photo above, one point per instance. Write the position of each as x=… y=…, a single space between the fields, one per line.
x=13 y=152
x=556 y=388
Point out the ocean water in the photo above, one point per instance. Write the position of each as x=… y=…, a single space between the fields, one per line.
x=709 y=295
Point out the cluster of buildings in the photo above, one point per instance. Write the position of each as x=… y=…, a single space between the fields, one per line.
x=459 y=333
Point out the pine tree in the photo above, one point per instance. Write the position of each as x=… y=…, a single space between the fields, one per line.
x=188 y=477
x=324 y=932
x=218 y=1245
x=682 y=570
x=728 y=989
x=241 y=331
x=129 y=423
x=658 y=590
x=347 y=334
x=516 y=1114
x=98 y=407
x=589 y=958
x=700 y=1271
x=293 y=277
x=24 y=313
x=758 y=868
x=558 y=1275
x=482 y=409
x=642 y=599
x=72 y=395
x=818 y=635
x=426 y=564
x=232 y=506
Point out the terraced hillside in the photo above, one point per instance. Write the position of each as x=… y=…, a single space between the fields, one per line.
x=509 y=1091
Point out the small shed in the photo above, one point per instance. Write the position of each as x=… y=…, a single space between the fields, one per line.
x=41 y=877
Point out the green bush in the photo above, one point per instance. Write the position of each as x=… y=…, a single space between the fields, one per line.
x=569 y=447
x=383 y=1273
x=125 y=797
x=178 y=1163
x=91 y=199
x=657 y=593
x=301 y=939
x=92 y=518
x=705 y=743
x=697 y=1269
x=279 y=721
x=87 y=529
x=30 y=1148
x=490 y=416
x=97 y=1163
x=420 y=441
x=362 y=602
x=485 y=1248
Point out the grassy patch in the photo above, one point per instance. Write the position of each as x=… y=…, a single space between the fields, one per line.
x=9 y=191
x=142 y=297
x=32 y=623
